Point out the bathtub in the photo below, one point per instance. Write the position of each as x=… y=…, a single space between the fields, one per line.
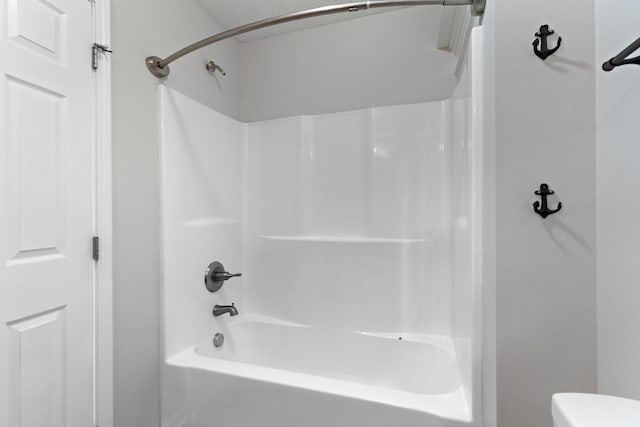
x=357 y=234
x=275 y=373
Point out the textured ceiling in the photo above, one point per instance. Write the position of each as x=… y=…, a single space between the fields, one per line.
x=233 y=13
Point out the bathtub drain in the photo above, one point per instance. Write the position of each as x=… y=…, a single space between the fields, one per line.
x=218 y=340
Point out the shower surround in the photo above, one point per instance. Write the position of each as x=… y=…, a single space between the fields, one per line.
x=357 y=234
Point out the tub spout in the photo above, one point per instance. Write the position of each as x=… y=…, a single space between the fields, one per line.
x=219 y=310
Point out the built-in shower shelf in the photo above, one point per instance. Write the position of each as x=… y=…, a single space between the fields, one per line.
x=345 y=239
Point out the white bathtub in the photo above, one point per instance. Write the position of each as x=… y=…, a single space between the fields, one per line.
x=271 y=373
x=354 y=221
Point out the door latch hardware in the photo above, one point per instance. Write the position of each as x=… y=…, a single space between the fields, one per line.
x=95 y=248
x=95 y=49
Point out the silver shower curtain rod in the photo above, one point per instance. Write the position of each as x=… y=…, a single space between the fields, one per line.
x=160 y=67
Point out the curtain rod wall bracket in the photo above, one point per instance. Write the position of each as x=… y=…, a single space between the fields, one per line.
x=160 y=67
x=623 y=57
x=477 y=7
x=153 y=64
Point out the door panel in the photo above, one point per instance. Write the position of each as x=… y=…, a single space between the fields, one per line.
x=37 y=382
x=38 y=25
x=36 y=197
x=46 y=214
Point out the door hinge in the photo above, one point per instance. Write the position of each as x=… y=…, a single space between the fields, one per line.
x=95 y=50
x=96 y=248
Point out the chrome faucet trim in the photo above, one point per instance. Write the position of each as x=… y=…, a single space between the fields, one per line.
x=215 y=275
x=219 y=310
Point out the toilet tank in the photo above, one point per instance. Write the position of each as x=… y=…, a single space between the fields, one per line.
x=594 y=410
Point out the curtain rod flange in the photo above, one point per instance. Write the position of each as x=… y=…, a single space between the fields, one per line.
x=477 y=7
x=153 y=65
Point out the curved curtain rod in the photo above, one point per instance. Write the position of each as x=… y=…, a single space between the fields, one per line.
x=160 y=67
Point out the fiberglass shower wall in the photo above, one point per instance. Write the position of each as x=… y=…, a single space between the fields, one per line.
x=355 y=221
x=348 y=219
x=342 y=220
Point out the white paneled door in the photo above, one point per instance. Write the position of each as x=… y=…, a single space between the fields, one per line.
x=47 y=146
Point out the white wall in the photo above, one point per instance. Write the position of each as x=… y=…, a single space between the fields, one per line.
x=378 y=60
x=142 y=28
x=545 y=268
x=618 y=24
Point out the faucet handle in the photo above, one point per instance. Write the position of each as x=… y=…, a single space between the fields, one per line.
x=224 y=275
x=215 y=276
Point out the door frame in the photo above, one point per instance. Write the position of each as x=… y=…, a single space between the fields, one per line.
x=103 y=329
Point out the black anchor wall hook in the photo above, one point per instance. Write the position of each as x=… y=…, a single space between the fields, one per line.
x=544 y=210
x=544 y=52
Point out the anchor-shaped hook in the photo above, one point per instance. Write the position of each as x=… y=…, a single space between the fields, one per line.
x=544 y=52
x=544 y=210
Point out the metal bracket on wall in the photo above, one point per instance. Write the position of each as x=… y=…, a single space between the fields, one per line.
x=622 y=57
x=95 y=248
